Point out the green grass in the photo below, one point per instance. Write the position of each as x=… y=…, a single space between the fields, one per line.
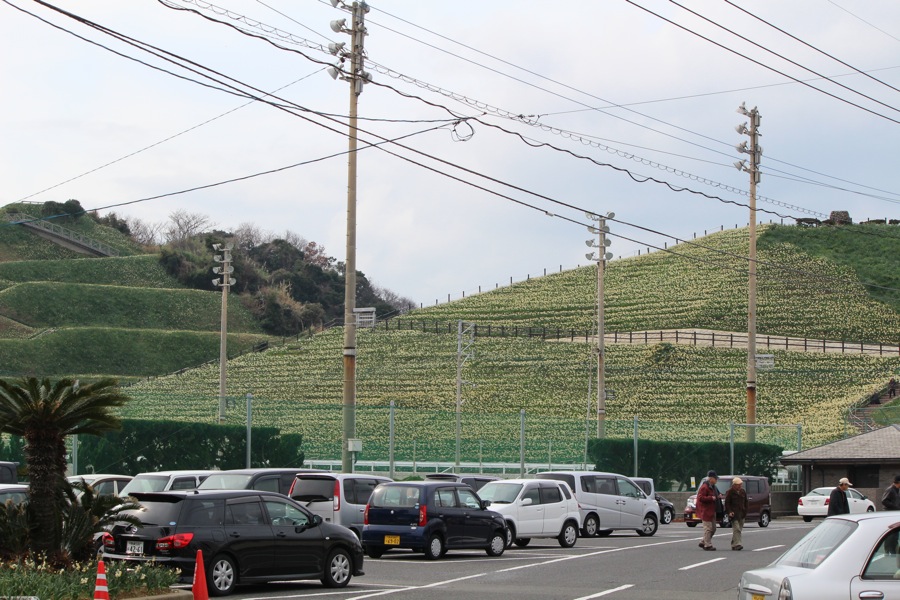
x=99 y=352
x=17 y=243
x=141 y=270
x=53 y=304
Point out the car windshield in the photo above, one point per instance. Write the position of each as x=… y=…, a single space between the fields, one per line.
x=818 y=544
x=825 y=491
x=146 y=483
x=225 y=481
x=500 y=493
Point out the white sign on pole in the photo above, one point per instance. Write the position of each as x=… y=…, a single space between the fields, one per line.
x=765 y=362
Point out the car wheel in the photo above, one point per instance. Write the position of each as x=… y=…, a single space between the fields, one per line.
x=604 y=532
x=522 y=542
x=764 y=519
x=689 y=524
x=807 y=519
x=497 y=544
x=650 y=525
x=222 y=576
x=435 y=548
x=591 y=525
x=668 y=515
x=870 y=509
x=338 y=569
x=568 y=536
x=374 y=551
x=510 y=534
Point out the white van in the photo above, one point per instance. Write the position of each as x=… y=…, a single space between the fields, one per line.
x=609 y=501
x=163 y=481
x=534 y=509
x=338 y=498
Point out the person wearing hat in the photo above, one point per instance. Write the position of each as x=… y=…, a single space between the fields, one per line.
x=891 y=498
x=707 y=501
x=837 y=502
x=736 y=507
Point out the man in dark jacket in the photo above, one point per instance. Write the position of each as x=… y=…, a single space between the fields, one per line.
x=736 y=506
x=707 y=500
x=891 y=498
x=837 y=502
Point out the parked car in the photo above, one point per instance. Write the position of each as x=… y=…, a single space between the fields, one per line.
x=815 y=503
x=609 y=502
x=535 y=508
x=847 y=557
x=102 y=484
x=246 y=536
x=759 y=500
x=338 y=498
x=666 y=508
x=277 y=480
x=9 y=472
x=14 y=492
x=163 y=481
x=473 y=481
x=431 y=517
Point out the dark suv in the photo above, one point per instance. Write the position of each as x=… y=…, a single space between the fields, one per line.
x=759 y=500
x=430 y=517
x=264 y=479
x=246 y=536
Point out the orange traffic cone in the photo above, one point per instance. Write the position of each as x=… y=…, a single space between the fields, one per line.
x=199 y=586
x=101 y=592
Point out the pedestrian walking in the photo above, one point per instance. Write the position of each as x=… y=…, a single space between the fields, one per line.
x=891 y=498
x=736 y=507
x=892 y=388
x=707 y=501
x=837 y=501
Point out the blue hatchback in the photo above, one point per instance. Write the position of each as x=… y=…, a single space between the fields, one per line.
x=430 y=517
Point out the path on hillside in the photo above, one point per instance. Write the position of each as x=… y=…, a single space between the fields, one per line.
x=736 y=339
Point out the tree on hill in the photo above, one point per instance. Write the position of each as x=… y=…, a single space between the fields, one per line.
x=44 y=413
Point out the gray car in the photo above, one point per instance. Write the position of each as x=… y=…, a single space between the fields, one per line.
x=846 y=557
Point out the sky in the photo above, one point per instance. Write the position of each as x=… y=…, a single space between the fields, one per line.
x=516 y=119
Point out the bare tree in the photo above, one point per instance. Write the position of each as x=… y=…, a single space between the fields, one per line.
x=295 y=240
x=248 y=236
x=183 y=226
x=145 y=232
x=400 y=303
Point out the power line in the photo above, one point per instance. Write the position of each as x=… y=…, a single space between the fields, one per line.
x=864 y=21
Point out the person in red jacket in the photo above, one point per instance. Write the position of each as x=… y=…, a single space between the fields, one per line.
x=707 y=501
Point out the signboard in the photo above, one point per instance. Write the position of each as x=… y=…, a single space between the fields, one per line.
x=765 y=362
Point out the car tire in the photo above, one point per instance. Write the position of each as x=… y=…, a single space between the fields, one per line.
x=807 y=519
x=338 y=569
x=522 y=542
x=604 y=532
x=221 y=576
x=497 y=544
x=375 y=551
x=651 y=524
x=591 y=526
x=510 y=534
x=569 y=535
x=870 y=509
x=764 y=519
x=689 y=524
x=667 y=516
x=435 y=547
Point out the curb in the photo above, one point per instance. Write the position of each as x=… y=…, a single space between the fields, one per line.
x=169 y=595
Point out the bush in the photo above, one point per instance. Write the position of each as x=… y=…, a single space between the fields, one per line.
x=30 y=578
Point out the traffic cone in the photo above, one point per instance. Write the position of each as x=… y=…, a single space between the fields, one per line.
x=101 y=592
x=198 y=588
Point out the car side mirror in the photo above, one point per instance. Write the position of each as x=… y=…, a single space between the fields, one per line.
x=316 y=521
x=526 y=502
x=485 y=504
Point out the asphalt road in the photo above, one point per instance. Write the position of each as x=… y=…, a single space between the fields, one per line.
x=623 y=566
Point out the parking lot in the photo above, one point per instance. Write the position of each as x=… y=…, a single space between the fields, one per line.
x=620 y=567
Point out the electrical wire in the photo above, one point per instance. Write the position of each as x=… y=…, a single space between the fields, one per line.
x=864 y=21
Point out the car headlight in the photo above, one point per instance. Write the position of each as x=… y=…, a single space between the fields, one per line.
x=784 y=592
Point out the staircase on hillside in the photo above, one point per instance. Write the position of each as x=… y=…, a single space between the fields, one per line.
x=861 y=417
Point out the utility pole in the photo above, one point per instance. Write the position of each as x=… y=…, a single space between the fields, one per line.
x=225 y=282
x=601 y=256
x=755 y=152
x=356 y=76
x=465 y=338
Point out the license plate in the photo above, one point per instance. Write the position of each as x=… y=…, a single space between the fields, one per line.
x=392 y=540
x=756 y=597
x=134 y=547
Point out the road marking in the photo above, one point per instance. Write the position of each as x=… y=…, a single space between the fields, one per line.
x=607 y=592
x=707 y=562
x=769 y=548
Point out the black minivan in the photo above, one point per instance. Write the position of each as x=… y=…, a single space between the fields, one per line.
x=245 y=535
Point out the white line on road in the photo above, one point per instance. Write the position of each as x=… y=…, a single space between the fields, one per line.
x=769 y=548
x=607 y=592
x=707 y=562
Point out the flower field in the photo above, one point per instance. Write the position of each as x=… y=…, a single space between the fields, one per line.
x=141 y=270
x=677 y=393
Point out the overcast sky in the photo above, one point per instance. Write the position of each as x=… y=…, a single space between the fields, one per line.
x=605 y=80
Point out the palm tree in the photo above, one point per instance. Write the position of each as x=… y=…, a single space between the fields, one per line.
x=44 y=413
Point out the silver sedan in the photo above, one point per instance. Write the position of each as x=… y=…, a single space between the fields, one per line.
x=846 y=557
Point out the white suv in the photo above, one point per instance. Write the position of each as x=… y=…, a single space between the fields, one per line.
x=534 y=509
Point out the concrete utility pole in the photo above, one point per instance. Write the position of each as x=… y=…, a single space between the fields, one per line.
x=225 y=282
x=356 y=76
x=465 y=338
x=755 y=152
x=601 y=256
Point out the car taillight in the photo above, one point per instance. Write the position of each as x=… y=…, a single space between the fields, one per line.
x=800 y=502
x=366 y=515
x=337 y=494
x=423 y=516
x=827 y=501
x=174 y=542
x=291 y=491
x=108 y=540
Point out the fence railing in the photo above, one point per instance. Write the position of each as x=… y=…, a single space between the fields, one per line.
x=64 y=232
